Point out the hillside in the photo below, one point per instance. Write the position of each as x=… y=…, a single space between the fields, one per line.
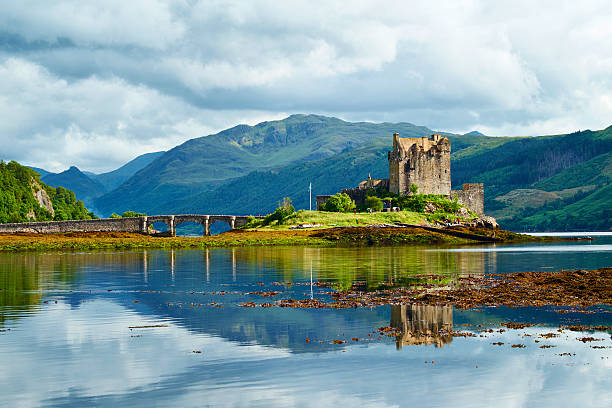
x=74 y=179
x=536 y=183
x=113 y=179
x=87 y=185
x=539 y=183
x=202 y=164
x=260 y=191
x=23 y=197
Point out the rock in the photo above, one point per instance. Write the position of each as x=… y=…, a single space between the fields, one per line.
x=430 y=208
x=42 y=197
x=487 y=222
x=302 y=226
x=463 y=213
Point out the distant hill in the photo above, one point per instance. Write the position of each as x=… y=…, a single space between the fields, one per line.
x=115 y=178
x=41 y=172
x=204 y=163
x=473 y=133
x=23 y=197
x=73 y=179
x=88 y=185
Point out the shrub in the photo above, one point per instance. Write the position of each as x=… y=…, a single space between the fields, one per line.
x=414 y=188
x=284 y=210
x=129 y=214
x=414 y=203
x=340 y=202
x=374 y=203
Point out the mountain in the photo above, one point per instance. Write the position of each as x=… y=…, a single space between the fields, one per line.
x=115 y=178
x=73 y=179
x=41 y=172
x=545 y=183
x=23 y=197
x=259 y=192
x=473 y=133
x=204 y=163
x=88 y=185
x=559 y=182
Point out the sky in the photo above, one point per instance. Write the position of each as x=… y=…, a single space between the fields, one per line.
x=97 y=83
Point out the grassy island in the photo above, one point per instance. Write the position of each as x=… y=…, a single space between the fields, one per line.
x=309 y=228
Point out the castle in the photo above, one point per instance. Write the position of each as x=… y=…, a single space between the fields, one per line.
x=425 y=163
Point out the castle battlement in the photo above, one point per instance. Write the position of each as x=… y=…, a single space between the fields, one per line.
x=423 y=161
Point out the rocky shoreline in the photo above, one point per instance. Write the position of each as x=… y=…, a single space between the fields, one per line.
x=578 y=289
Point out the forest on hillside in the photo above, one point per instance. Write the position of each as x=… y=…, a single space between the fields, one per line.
x=18 y=203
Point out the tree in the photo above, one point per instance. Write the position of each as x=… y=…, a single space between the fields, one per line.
x=414 y=188
x=340 y=202
x=375 y=203
x=284 y=210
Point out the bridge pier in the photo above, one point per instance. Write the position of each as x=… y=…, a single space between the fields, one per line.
x=172 y=227
x=207 y=226
x=143 y=225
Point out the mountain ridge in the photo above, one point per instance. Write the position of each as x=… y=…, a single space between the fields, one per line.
x=209 y=161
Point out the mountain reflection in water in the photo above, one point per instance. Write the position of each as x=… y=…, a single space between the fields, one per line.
x=165 y=328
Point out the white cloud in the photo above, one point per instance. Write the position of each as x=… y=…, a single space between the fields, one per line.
x=110 y=22
x=130 y=77
x=96 y=124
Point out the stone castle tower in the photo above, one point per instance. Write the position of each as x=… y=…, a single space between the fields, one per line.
x=425 y=162
x=422 y=161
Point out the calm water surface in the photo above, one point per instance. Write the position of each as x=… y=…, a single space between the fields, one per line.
x=164 y=328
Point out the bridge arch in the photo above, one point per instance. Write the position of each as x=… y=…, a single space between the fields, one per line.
x=196 y=219
x=164 y=219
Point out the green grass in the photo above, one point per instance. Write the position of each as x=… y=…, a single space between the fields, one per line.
x=334 y=219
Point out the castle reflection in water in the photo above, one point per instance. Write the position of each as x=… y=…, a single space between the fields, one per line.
x=422 y=325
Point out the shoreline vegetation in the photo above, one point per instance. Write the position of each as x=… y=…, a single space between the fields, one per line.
x=578 y=290
x=321 y=237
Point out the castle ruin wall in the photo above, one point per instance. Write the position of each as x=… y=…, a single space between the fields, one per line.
x=472 y=197
x=424 y=162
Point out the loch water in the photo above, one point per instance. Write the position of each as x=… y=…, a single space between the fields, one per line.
x=165 y=328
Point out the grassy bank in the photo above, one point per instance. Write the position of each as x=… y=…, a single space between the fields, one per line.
x=121 y=240
x=338 y=219
x=264 y=237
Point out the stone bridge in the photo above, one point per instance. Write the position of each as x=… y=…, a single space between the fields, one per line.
x=129 y=224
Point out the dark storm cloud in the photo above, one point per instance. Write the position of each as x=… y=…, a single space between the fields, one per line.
x=96 y=83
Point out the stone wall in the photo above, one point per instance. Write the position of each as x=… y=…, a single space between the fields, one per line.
x=321 y=199
x=421 y=161
x=135 y=224
x=472 y=196
x=357 y=195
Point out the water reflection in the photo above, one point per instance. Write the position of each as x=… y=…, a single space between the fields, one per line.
x=24 y=276
x=260 y=356
x=371 y=264
x=422 y=325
